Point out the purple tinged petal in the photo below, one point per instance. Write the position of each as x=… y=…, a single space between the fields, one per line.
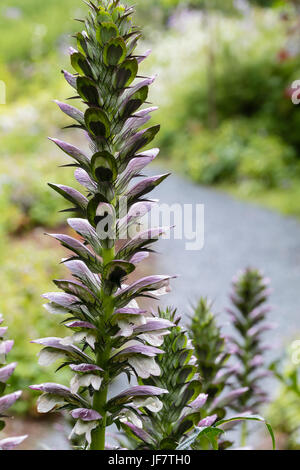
x=146 y=185
x=52 y=388
x=60 y=298
x=71 y=79
x=257 y=330
x=71 y=194
x=80 y=324
x=261 y=375
x=154 y=326
x=82 y=272
x=208 y=421
x=149 y=351
x=223 y=374
x=143 y=435
x=149 y=282
x=257 y=361
x=219 y=402
x=86 y=414
x=70 y=111
x=143 y=56
x=84 y=228
x=8 y=400
x=10 y=443
x=199 y=401
x=139 y=257
x=6 y=346
x=7 y=371
x=150 y=234
x=146 y=111
x=83 y=178
x=138 y=86
x=3 y=331
x=141 y=390
x=137 y=211
x=137 y=164
x=72 y=151
x=85 y=367
x=260 y=312
x=55 y=343
x=71 y=50
x=130 y=311
x=133 y=124
x=73 y=244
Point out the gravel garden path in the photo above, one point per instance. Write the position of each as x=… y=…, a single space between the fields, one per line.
x=237 y=235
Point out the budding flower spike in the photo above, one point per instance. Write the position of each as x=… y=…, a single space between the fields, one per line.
x=6 y=401
x=109 y=334
x=248 y=317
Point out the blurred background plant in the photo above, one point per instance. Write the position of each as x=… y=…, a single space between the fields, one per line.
x=284 y=411
x=225 y=108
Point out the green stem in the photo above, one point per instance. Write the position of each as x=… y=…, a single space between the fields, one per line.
x=244 y=434
x=100 y=397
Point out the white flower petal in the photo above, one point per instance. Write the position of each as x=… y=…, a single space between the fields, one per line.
x=128 y=415
x=144 y=366
x=47 y=357
x=84 y=427
x=85 y=380
x=152 y=403
x=47 y=402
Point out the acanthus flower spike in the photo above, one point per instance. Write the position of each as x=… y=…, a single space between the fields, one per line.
x=109 y=334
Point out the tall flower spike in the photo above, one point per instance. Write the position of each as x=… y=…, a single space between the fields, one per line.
x=164 y=421
x=248 y=314
x=6 y=401
x=109 y=333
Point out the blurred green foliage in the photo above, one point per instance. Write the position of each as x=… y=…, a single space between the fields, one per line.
x=230 y=120
x=160 y=10
x=27 y=267
x=284 y=411
x=233 y=152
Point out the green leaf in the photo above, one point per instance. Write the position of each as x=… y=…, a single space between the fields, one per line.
x=125 y=73
x=81 y=44
x=209 y=431
x=103 y=16
x=2 y=425
x=80 y=64
x=114 y=52
x=92 y=208
x=87 y=90
x=106 y=32
x=212 y=435
x=135 y=101
x=97 y=122
x=117 y=13
x=115 y=271
x=250 y=418
x=104 y=167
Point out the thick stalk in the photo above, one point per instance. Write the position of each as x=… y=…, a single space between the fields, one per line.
x=100 y=397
